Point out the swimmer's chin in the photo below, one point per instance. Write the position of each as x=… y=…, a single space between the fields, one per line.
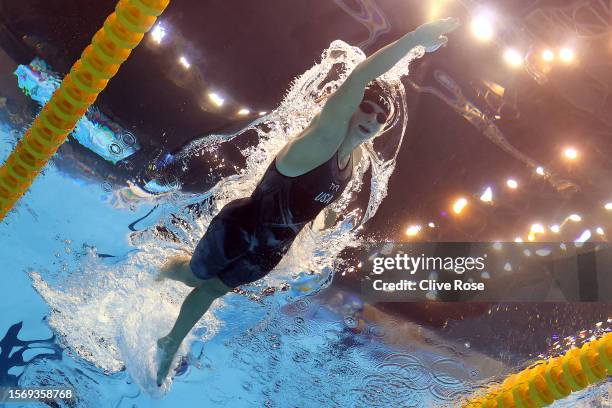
x=359 y=134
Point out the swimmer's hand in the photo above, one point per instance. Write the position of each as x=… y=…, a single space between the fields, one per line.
x=167 y=348
x=431 y=35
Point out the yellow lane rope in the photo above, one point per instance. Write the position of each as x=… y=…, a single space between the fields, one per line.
x=110 y=47
x=547 y=381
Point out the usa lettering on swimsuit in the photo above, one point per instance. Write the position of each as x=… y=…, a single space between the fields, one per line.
x=324 y=198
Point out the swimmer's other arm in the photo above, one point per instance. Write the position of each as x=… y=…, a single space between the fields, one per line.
x=192 y=310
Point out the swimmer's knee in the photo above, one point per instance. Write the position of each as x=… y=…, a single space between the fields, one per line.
x=215 y=287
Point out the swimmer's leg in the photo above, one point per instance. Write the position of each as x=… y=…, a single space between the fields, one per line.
x=193 y=308
x=178 y=269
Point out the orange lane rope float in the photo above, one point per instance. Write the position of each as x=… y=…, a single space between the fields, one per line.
x=110 y=47
x=553 y=379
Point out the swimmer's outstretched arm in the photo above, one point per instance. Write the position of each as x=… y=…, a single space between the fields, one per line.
x=328 y=129
x=192 y=310
x=345 y=101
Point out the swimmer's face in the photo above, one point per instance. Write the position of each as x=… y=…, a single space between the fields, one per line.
x=368 y=120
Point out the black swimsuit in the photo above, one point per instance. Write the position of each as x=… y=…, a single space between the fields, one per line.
x=249 y=236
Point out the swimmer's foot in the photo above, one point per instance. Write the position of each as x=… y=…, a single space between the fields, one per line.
x=167 y=348
x=178 y=269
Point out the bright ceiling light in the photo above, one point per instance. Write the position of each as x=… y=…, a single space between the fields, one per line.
x=262 y=113
x=512 y=183
x=513 y=57
x=555 y=229
x=585 y=236
x=518 y=240
x=216 y=99
x=487 y=196
x=540 y=170
x=413 y=230
x=482 y=27
x=537 y=229
x=183 y=61
x=600 y=231
x=608 y=206
x=570 y=153
x=575 y=218
x=243 y=112
x=158 y=33
x=436 y=9
x=459 y=205
x=548 y=55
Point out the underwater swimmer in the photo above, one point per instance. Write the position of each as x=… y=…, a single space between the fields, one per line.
x=249 y=236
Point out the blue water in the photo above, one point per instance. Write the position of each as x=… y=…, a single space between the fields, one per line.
x=80 y=285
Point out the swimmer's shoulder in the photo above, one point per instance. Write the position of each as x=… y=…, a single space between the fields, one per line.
x=308 y=150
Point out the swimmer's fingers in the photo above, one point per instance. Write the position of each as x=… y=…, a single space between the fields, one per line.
x=443 y=26
x=450 y=24
x=431 y=35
